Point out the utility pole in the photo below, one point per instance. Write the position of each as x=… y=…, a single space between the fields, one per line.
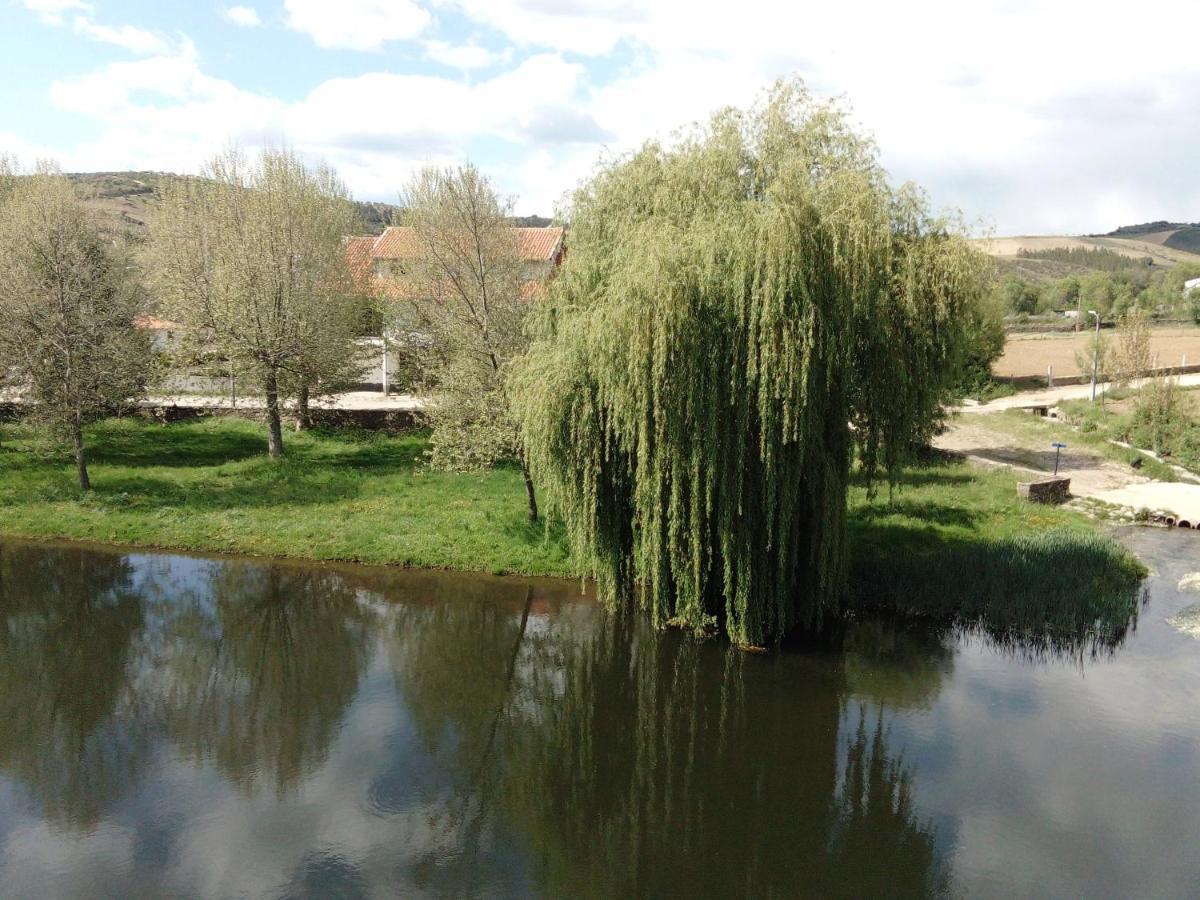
x=1095 y=352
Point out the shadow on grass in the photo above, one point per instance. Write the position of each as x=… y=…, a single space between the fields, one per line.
x=930 y=514
x=135 y=444
x=928 y=468
x=1057 y=592
x=360 y=451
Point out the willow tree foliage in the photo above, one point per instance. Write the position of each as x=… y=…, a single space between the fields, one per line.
x=739 y=312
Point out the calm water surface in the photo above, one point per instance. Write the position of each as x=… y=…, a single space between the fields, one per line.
x=179 y=726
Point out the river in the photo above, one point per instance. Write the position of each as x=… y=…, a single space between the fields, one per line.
x=181 y=726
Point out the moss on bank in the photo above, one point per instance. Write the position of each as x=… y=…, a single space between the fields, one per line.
x=948 y=539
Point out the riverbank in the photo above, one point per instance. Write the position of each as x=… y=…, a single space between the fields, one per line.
x=367 y=497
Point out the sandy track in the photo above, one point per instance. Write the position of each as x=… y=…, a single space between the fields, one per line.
x=982 y=440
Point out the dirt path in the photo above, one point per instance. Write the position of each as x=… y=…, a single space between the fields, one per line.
x=1052 y=396
x=984 y=440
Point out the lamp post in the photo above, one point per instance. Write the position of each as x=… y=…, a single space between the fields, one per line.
x=1095 y=352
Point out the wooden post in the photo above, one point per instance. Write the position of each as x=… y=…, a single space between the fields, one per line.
x=385 y=366
x=1049 y=376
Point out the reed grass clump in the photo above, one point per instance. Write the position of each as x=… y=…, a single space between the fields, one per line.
x=1054 y=590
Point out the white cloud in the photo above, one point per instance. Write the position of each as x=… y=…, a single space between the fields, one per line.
x=357 y=24
x=462 y=56
x=1016 y=112
x=993 y=112
x=167 y=113
x=51 y=11
x=135 y=40
x=245 y=16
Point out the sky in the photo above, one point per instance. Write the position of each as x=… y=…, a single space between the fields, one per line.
x=1042 y=117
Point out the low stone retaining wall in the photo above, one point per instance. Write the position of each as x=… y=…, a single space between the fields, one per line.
x=1049 y=490
x=395 y=420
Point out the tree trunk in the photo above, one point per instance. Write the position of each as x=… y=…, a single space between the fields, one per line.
x=530 y=495
x=85 y=483
x=274 y=427
x=303 y=419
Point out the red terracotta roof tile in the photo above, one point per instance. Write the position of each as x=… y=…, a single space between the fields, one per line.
x=358 y=254
x=154 y=323
x=536 y=244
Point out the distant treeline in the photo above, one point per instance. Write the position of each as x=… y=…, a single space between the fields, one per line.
x=1096 y=258
x=1156 y=289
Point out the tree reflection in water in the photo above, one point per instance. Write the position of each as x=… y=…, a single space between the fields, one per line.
x=260 y=671
x=671 y=767
x=538 y=745
x=71 y=733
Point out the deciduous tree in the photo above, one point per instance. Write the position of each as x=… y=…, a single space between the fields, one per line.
x=250 y=259
x=1133 y=357
x=68 y=303
x=465 y=289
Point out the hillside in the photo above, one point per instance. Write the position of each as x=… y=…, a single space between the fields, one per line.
x=1175 y=235
x=1042 y=258
x=126 y=199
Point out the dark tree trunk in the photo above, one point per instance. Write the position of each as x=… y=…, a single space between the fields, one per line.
x=274 y=426
x=303 y=419
x=530 y=494
x=85 y=483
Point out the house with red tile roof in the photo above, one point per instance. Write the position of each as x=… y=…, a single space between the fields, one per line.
x=378 y=263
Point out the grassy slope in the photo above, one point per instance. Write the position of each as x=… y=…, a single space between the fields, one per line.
x=1040 y=431
x=944 y=529
x=1180 y=441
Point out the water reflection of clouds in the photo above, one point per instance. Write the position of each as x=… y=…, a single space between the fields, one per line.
x=1086 y=788
x=1039 y=779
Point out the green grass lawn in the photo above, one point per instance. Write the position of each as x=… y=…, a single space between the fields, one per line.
x=208 y=485
x=947 y=537
x=1043 y=431
x=953 y=544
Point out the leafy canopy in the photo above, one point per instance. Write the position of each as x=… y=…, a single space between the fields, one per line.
x=738 y=312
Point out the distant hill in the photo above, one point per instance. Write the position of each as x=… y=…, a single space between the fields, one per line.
x=1176 y=235
x=126 y=200
x=1048 y=257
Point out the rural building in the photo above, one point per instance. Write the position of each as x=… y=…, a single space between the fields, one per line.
x=379 y=263
x=1190 y=285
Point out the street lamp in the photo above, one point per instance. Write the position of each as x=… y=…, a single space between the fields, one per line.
x=1095 y=352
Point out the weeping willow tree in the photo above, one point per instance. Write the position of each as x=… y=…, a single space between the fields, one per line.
x=739 y=313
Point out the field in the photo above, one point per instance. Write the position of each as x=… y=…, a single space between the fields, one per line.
x=1028 y=355
x=1144 y=245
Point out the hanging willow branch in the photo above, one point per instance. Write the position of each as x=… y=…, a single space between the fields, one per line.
x=737 y=312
